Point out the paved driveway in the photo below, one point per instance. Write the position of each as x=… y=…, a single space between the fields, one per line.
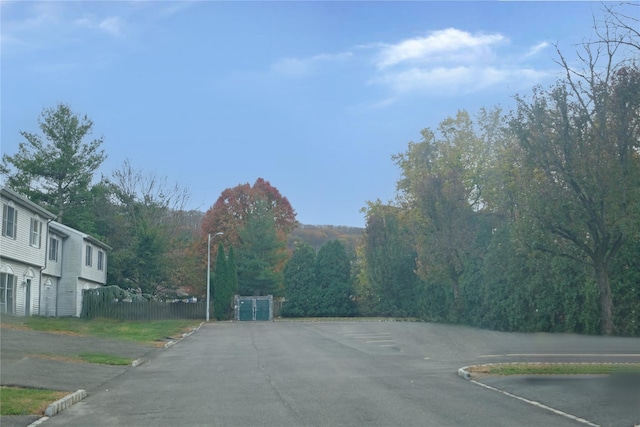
x=37 y=359
x=347 y=374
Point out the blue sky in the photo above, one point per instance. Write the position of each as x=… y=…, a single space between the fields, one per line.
x=314 y=97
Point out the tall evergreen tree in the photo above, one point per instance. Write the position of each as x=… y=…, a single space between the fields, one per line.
x=390 y=265
x=232 y=271
x=261 y=254
x=333 y=273
x=222 y=292
x=56 y=171
x=301 y=286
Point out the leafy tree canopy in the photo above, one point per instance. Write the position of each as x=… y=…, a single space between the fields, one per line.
x=55 y=168
x=231 y=211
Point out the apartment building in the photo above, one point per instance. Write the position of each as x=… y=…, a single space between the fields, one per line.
x=45 y=265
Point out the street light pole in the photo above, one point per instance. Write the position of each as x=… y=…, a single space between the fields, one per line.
x=209 y=237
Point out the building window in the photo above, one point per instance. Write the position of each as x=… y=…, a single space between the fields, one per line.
x=100 y=260
x=53 y=249
x=7 y=288
x=89 y=256
x=9 y=221
x=36 y=231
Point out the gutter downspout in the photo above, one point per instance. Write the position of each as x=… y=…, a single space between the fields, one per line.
x=61 y=247
x=46 y=257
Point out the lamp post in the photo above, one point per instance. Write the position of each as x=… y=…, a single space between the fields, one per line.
x=209 y=238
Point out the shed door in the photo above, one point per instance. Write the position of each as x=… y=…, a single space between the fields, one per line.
x=245 y=310
x=262 y=309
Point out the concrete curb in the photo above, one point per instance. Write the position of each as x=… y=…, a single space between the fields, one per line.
x=186 y=334
x=138 y=362
x=464 y=373
x=64 y=403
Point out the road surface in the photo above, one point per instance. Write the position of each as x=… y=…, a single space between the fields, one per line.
x=342 y=374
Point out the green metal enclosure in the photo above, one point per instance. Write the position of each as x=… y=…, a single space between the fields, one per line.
x=245 y=310
x=254 y=308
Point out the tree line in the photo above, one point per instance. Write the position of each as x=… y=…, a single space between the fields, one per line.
x=521 y=220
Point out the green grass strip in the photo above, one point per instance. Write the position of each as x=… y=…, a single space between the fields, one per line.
x=105 y=359
x=27 y=401
x=138 y=331
x=557 y=368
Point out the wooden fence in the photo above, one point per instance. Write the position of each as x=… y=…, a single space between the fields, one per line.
x=149 y=310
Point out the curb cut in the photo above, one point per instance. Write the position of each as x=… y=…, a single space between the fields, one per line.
x=64 y=403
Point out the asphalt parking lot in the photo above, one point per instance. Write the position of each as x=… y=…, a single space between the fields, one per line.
x=379 y=372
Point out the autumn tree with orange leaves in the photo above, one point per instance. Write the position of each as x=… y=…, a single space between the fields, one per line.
x=230 y=212
x=236 y=210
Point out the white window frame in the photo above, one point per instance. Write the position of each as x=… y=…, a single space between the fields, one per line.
x=100 y=260
x=35 y=232
x=7 y=293
x=54 y=247
x=88 y=260
x=9 y=225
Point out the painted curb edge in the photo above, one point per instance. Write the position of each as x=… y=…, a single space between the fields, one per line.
x=65 y=402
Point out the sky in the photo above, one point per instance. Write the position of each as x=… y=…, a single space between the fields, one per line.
x=314 y=97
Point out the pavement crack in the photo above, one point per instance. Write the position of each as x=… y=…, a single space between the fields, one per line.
x=299 y=419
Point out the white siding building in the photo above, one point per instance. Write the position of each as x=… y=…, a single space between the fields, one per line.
x=52 y=272
x=83 y=266
x=44 y=265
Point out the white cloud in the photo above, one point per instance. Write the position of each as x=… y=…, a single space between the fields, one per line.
x=111 y=25
x=19 y=32
x=450 y=62
x=447 y=62
x=534 y=50
x=292 y=67
x=456 y=80
x=444 y=45
x=299 y=67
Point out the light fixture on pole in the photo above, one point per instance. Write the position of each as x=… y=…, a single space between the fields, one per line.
x=209 y=237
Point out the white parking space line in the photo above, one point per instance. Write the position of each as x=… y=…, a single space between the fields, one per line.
x=366 y=335
x=539 y=405
x=559 y=355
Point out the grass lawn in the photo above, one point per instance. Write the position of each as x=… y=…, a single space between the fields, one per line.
x=27 y=401
x=105 y=359
x=138 y=331
x=555 y=368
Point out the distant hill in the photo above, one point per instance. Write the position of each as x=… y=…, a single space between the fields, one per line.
x=315 y=235
x=318 y=235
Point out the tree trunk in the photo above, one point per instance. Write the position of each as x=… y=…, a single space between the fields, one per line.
x=606 y=302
